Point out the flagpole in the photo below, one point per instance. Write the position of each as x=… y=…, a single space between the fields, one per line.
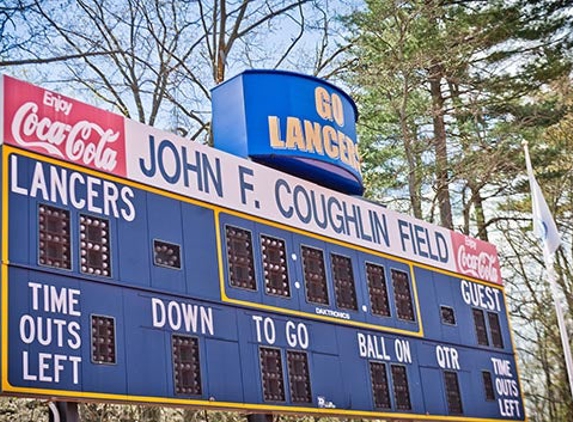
x=548 y=258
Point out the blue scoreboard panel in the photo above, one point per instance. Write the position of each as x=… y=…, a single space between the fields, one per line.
x=140 y=267
x=116 y=290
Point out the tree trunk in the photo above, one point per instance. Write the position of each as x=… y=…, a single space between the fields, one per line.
x=440 y=146
x=412 y=156
x=480 y=215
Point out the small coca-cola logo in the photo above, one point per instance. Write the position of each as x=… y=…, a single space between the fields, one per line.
x=83 y=142
x=480 y=265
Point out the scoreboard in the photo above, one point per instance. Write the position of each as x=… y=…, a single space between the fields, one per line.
x=140 y=267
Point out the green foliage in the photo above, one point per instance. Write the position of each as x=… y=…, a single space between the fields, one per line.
x=488 y=64
x=503 y=70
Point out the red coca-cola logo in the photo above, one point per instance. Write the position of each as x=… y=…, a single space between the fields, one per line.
x=476 y=258
x=55 y=125
x=480 y=265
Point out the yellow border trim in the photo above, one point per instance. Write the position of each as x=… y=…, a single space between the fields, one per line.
x=4 y=270
x=308 y=315
x=249 y=408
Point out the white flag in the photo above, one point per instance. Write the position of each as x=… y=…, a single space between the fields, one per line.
x=544 y=226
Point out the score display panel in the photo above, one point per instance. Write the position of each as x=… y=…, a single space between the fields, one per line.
x=119 y=291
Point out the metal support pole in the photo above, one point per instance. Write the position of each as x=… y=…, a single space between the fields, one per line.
x=62 y=411
x=256 y=417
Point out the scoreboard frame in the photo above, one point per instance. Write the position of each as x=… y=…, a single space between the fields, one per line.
x=425 y=338
x=264 y=408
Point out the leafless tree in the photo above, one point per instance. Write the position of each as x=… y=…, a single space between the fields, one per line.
x=156 y=61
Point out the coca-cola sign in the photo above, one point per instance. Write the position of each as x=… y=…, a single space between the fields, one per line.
x=55 y=125
x=476 y=258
